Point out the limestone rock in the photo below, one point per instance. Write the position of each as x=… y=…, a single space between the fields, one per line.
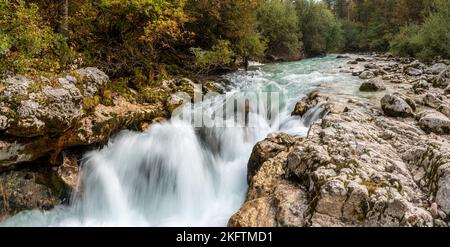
x=367 y=75
x=93 y=80
x=432 y=100
x=30 y=189
x=373 y=85
x=394 y=106
x=435 y=122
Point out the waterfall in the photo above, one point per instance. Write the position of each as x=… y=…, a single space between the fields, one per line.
x=177 y=174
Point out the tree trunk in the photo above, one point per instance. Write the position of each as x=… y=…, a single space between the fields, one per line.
x=64 y=17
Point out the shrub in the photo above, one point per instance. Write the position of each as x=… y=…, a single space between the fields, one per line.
x=27 y=43
x=220 y=56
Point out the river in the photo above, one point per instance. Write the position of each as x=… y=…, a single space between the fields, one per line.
x=177 y=174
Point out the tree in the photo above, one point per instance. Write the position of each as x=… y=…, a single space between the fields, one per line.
x=279 y=23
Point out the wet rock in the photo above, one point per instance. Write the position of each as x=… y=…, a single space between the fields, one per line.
x=30 y=189
x=373 y=85
x=342 y=56
x=360 y=59
x=91 y=129
x=352 y=62
x=308 y=102
x=68 y=171
x=395 y=106
x=447 y=90
x=367 y=75
x=435 y=122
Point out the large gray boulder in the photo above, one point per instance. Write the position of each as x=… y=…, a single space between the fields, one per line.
x=442 y=80
x=413 y=71
x=394 y=105
x=443 y=191
x=366 y=75
x=373 y=85
x=436 y=68
x=432 y=100
x=93 y=80
x=436 y=122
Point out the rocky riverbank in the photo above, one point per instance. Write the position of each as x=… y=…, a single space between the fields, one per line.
x=46 y=124
x=379 y=158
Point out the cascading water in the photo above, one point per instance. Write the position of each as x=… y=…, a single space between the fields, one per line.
x=174 y=174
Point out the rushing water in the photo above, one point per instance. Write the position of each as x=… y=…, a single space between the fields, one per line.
x=176 y=175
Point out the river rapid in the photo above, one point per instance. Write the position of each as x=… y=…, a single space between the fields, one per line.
x=177 y=174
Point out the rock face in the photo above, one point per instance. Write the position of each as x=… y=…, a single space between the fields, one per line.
x=356 y=168
x=34 y=108
x=308 y=102
x=30 y=189
x=394 y=106
x=40 y=117
x=373 y=85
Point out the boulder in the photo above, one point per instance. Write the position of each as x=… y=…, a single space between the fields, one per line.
x=267 y=149
x=308 y=102
x=39 y=107
x=366 y=75
x=93 y=80
x=442 y=80
x=395 y=106
x=373 y=85
x=443 y=191
x=421 y=86
x=435 y=122
x=436 y=68
x=432 y=100
x=413 y=71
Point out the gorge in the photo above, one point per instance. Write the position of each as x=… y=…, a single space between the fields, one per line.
x=334 y=155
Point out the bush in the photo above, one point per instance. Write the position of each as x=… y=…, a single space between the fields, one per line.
x=321 y=30
x=428 y=40
x=27 y=43
x=279 y=23
x=219 y=57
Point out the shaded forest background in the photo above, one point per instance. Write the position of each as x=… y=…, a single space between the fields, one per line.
x=143 y=41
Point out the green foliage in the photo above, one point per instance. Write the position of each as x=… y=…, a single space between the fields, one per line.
x=279 y=23
x=428 y=40
x=220 y=56
x=27 y=43
x=121 y=37
x=321 y=30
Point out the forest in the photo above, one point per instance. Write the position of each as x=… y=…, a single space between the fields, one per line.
x=147 y=40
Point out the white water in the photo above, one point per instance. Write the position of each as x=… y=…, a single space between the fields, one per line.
x=177 y=175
